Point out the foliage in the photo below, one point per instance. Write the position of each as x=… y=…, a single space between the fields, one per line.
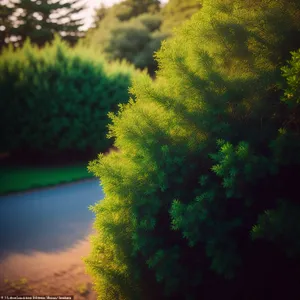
x=137 y=7
x=175 y=12
x=135 y=40
x=56 y=100
x=128 y=9
x=281 y=224
x=204 y=151
x=292 y=75
x=41 y=20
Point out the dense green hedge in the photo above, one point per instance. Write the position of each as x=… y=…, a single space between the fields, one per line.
x=204 y=189
x=56 y=100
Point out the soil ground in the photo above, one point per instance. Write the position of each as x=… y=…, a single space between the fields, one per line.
x=52 y=274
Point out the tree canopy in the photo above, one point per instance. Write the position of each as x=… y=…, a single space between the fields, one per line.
x=41 y=20
x=135 y=40
x=120 y=31
x=127 y=9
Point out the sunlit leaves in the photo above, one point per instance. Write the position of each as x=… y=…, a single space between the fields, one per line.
x=200 y=154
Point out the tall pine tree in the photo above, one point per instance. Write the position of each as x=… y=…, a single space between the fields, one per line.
x=6 y=11
x=40 y=20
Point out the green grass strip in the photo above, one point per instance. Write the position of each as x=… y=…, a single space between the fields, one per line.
x=14 y=179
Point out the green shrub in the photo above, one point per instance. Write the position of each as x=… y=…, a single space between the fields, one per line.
x=57 y=99
x=203 y=189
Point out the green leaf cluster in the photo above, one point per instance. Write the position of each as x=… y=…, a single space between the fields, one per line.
x=57 y=99
x=208 y=162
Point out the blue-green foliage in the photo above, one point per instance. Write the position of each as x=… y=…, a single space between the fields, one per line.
x=57 y=99
x=204 y=152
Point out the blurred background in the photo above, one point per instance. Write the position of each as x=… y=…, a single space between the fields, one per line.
x=64 y=66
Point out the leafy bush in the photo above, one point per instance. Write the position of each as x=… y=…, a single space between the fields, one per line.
x=202 y=195
x=56 y=100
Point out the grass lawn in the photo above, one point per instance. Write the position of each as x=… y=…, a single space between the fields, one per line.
x=14 y=179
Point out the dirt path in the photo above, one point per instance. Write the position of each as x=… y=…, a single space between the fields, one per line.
x=43 y=237
x=36 y=274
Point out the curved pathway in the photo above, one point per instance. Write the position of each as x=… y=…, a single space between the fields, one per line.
x=43 y=236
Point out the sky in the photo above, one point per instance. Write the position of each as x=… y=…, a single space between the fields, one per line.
x=92 y=4
x=88 y=13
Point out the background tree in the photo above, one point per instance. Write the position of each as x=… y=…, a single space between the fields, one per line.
x=6 y=12
x=129 y=30
x=135 y=40
x=127 y=9
x=138 y=7
x=121 y=31
x=204 y=188
x=41 y=20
